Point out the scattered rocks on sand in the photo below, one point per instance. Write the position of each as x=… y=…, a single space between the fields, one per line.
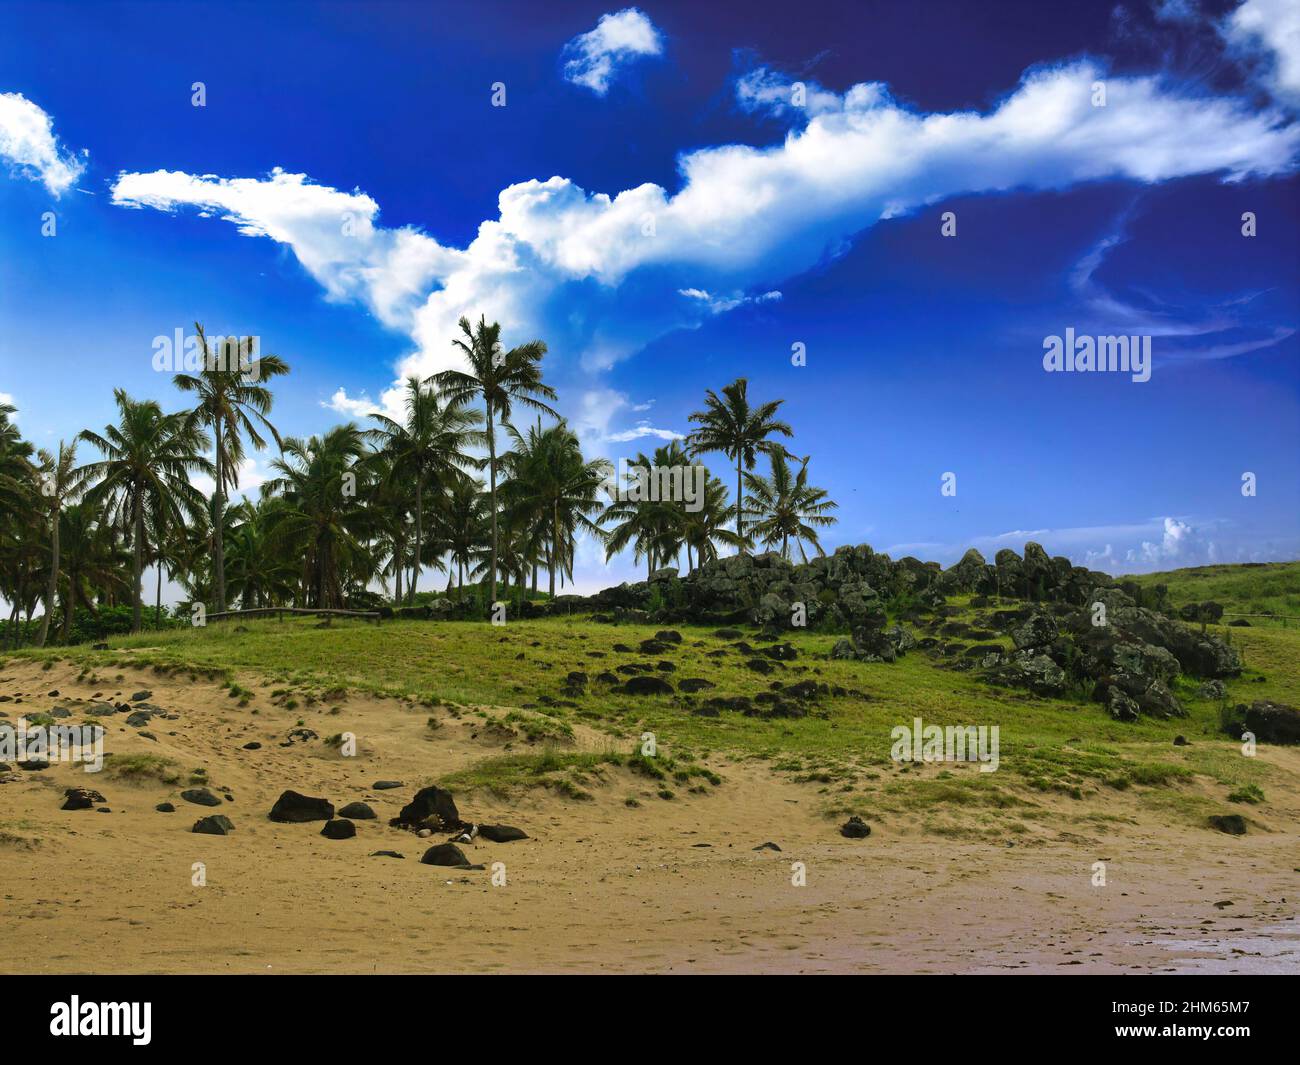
x=855 y=828
x=214 y=825
x=81 y=799
x=165 y=808
x=140 y=697
x=253 y=746
x=292 y=806
x=200 y=797
x=339 y=828
x=357 y=811
x=386 y=785
x=387 y=854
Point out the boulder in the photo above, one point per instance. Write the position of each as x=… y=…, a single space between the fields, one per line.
x=339 y=828
x=357 y=811
x=294 y=807
x=81 y=799
x=1271 y=722
x=432 y=802
x=642 y=685
x=501 y=833
x=214 y=825
x=855 y=828
x=445 y=854
x=201 y=797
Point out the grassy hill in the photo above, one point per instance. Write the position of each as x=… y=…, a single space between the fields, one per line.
x=1248 y=588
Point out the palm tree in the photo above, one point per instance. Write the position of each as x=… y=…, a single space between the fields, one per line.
x=552 y=483
x=227 y=392
x=94 y=564
x=785 y=507
x=463 y=520
x=257 y=575
x=317 y=515
x=740 y=432
x=430 y=447
x=502 y=379
x=148 y=459
x=61 y=482
x=706 y=527
x=654 y=528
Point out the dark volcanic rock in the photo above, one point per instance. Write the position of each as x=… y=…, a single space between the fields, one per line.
x=654 y=647
x=81 y=799
x=165 y=808
x=387 y=854
x=445 y=854
x=1233 y=824
x=294 y=807
x=339 y=828
x=855 y=828
x=253 y=746
x=431 y=802
x=647 y=686
x=694 y=684
x=1271 y=722
x=760 y=665
x=215 y=825
x=668 y=636
x=357 y=811
x=387 y=785
x=501 y=833
x=200 y=797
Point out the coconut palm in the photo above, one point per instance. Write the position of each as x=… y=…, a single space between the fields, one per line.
x=502 y=379
x=730 y=425
x=149 y=458
x=228 y=393
x=61 y=482
x=705 y=528
x=463 y=521
x=94 y=563
x=557 y=488
x=317 y=514
x=429 y=448
x=786 y=507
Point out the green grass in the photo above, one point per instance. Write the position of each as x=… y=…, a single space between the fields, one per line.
x=1048 y=747
x=1263 y=588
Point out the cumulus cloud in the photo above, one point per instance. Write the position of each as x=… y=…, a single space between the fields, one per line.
x=718 y=304
x=593 y=59
x=599 y=276
x=1267 y=34
x=29 y=147
x=358 y=407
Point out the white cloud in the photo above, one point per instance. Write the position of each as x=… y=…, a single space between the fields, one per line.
x=597 y=407
x=357 y=408
x=6 y=400
x=29 y=146
x=599 y=277
x=718 y=304
x=332 y=233
x=594 y=58
x=1268 y=32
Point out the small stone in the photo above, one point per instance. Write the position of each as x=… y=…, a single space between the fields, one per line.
x=339 y=828
x=215 y=825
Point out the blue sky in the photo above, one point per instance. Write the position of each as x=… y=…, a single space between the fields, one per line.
x=652 y=201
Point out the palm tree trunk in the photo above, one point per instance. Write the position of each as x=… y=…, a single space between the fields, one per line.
x=218 y=526
x=492 y=478
x=69 y=605
x=157 y=604
x=555 y=542
x=137 y=564
x=419 y=507
x=740 y=549
x=53 y=584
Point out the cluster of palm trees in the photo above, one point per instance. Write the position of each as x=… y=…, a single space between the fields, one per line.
x=352 y=517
